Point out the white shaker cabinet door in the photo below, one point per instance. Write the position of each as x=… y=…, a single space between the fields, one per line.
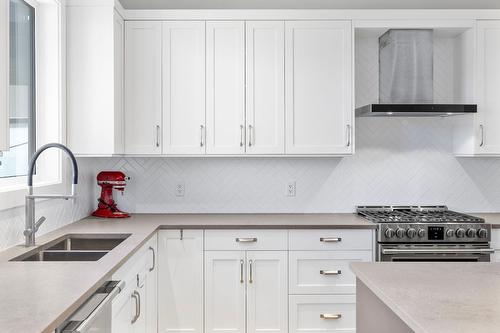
x=143 y=93
x=225 y=61
x=267 y=291
x=265 y=87
x=184 y=87
x=225 y=276
x=318 y=71
x=488 y=81
x=180 y=281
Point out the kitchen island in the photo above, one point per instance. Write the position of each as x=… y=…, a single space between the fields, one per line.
x=427 y=297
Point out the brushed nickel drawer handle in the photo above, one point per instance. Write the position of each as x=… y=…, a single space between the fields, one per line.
x=157 y=135
x=154 y=259
x=241 y=271
x=481 y=127
x=330 y=316
x=242 y=134
x=202 y=129
x=337 y=272
x=330 y=240
x=246 y=240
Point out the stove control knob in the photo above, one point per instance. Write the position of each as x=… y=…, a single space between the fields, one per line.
x=460 y=233
x=400 y=232
x=411 y=232
x=421 y=233
x=482 y=233
x=471 y=233
x=389 y=232
x=450 y=233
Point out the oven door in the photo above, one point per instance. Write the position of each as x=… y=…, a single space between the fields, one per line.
x=434 y=252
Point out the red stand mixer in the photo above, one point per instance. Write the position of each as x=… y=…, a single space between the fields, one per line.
x=110 y=180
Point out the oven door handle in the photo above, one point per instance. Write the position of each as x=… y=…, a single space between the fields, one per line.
x=438 y=251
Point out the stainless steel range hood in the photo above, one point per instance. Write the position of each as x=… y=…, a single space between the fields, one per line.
x=406 y=77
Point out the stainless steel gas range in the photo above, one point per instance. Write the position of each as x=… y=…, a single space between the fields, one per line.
x=428 y=233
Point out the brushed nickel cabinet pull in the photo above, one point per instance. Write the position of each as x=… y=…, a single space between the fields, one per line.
x=250 y=129
x=330 y=240
x=330 y=316
x=157 y=135
x=137 y=298
x=242 y=134
x=246 y=240
x=154 y=258
x=250 y=280
x=481 y=127
x=337 y=272
x=241 y=271
x=138 y=281
x=202 y=128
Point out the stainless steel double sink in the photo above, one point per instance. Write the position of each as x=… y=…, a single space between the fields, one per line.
x=75 y=247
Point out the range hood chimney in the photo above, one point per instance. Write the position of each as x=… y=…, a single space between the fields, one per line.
x=406 y=77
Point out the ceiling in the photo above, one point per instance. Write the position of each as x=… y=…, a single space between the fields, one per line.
x=311 y=4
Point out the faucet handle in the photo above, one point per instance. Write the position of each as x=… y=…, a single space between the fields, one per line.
x=39 y=223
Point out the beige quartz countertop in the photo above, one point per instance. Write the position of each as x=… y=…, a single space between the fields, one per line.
x=38 y=296
x=438 y=297
x=493 y=218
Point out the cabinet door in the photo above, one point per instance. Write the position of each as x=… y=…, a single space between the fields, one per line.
x=180 y=288
x=488 y=74
x=265 y=87
x=225 y=291
x=318 y=87
x=122 y=312
x=184 y=87
x=143 y=87
x=225 y=87
x=267 y=291
x=152 y=285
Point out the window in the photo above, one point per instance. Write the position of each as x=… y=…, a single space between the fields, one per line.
x=22 y=90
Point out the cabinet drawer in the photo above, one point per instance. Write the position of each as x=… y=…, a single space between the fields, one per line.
x=322 y=313
x=222 y=240
x=330 y=239
x=313 y=272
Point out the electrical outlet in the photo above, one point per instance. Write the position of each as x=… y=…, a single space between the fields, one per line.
x=291 y=189
x=180 y=189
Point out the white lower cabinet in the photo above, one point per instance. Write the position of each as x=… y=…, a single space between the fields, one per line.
x=225 y=278
x=249 y=285
x=180 y=273
x=324 y=272
x=322 y=313
x=267 y=291
x=134 y=309
x=242 y=281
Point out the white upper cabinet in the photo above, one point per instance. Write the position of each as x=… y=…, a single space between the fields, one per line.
x=94 y=80
x=225 y=71
x=318 y=72
x=143 y=93
x=265 y=87
x=184 y=87
x=488 y=83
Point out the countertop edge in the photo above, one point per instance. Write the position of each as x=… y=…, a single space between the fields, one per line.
x=392 y=305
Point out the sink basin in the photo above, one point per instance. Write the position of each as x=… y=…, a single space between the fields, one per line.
x=66 y=256
x=104 y=242
x=75 y=247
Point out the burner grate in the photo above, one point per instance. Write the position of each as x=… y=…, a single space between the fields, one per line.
x=415 y=214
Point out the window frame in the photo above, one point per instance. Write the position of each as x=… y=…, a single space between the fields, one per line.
x=49 y=106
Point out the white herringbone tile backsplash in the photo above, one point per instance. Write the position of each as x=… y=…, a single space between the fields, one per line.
x=397 y=161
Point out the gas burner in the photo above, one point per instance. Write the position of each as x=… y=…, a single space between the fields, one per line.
x=415 y=214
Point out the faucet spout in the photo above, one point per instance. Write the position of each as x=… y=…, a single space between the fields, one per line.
x=32 y=226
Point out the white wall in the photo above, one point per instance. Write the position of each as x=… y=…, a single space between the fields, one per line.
x=398 y=161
